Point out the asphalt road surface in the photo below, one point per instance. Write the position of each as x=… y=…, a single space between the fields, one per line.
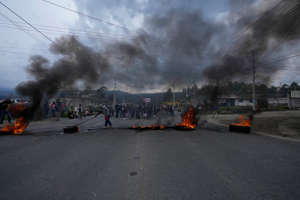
x=153 y=165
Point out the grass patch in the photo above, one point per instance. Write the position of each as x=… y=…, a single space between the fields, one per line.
x=268 y=124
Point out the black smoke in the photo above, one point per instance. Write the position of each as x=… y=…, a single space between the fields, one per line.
x=261 y=35
x=174 y=47
x=171 y=50
x=77 y=63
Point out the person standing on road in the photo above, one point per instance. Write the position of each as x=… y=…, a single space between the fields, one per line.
x=4 y=110
x=58 y=109
x=53 y=109
x=107 y=119
x=80 y=111
x=46 y=109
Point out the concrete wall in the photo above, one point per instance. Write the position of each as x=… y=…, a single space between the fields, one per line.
x=278 y=101
x=294 y=103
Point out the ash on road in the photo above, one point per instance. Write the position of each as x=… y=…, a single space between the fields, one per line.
x=124 y=164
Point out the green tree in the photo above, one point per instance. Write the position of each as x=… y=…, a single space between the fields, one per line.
x=294 y=86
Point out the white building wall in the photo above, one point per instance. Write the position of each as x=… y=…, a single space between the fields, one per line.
x=243 y=103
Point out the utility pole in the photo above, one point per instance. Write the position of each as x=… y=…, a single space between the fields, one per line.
x=173 y=100
x=114 y=95
x=253 y=81
x=186 y=92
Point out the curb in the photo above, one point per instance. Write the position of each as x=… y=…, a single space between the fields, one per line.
x=277 y=137
x=267 y=135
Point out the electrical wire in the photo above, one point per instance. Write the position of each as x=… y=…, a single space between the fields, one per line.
x=290 y=12
x=67 y=31
x=18 y=26
x=285 y=58
x=240 y=34
x=55 y=32
x=20 y=17
x=85 y=15
x=62 y=28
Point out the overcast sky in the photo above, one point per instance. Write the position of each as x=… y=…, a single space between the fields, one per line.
x=19 y=42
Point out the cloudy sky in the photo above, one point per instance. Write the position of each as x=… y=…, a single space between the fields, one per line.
x=19 y=41
x=117 y=20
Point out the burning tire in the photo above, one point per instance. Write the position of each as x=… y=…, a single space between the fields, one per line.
x=244 y=126
x=239 y=129
x=19 y=111
x=71 y=129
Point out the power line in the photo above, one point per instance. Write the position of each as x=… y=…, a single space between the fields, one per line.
x=46 y=30
x=62 y=28
x=17 y=26
x=86 y=15
x=289 y=9
x=290 y=12
x=282 y=7
x=14 y=52
x=51 y=32
x=26 y=21
x=285 y=58
x=29 y=54
x=249 y=25
x=24 y=48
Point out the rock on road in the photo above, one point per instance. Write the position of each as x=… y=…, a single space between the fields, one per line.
x=152 y=165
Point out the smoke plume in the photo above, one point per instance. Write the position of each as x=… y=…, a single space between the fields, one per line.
x=77 y=63
x=174 y=47
x=260 y=38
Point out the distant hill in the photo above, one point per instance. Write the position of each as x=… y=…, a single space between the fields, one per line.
x=138 y=98
x=5 y=92
x=121 y=95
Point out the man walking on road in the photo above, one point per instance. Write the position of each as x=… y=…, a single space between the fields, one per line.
x=107 y=119
x=106 y=114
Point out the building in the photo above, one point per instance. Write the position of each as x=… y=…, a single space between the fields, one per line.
x=294 y=99
x=282 y=101
x=233 y=100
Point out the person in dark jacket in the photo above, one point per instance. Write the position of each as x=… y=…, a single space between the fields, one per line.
x=4 y=110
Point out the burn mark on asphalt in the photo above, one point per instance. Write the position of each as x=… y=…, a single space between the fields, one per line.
x=136 y=157
x=133 y=173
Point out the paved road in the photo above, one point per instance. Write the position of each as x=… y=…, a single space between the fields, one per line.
x=161 y=165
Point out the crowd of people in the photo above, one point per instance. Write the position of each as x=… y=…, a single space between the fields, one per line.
x=138 y=111
x=57 y=109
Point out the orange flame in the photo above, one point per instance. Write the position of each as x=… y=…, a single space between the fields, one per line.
x=188 y=120
x=243 y=122
x=17 y=128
